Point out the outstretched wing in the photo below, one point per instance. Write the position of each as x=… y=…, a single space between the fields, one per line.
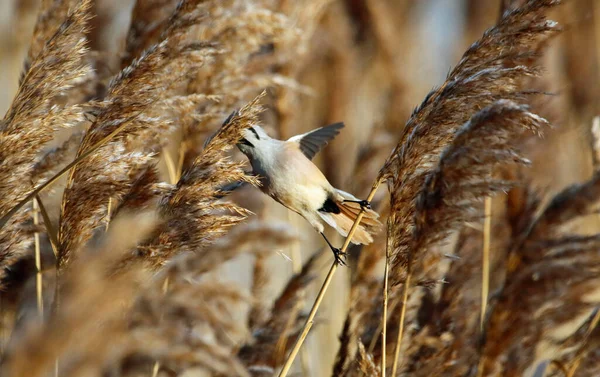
x=312 y=142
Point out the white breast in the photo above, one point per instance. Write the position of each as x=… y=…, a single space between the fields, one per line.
x=292 y=179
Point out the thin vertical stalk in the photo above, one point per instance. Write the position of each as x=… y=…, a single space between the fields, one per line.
x=485 y=272
x=53 y=237
x=379 y=329
x=108 y=213
x=313 y=312
x=52 y=234
x=38 y=263
x=171 y=168
x=156 y=366
x=386 y=275
x=174 y=174
x=485 y=264
x=182 y=149
x=402 y=318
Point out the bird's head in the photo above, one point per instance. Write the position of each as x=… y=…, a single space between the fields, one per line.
x=252 y=139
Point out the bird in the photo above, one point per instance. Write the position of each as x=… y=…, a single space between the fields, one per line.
x=287 y=174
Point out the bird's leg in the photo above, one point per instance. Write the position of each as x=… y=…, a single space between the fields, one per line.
x=364 y=204
x=337 y=253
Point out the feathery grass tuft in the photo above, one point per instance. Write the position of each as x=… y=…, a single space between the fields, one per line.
x=171 y=264
x=35 y=114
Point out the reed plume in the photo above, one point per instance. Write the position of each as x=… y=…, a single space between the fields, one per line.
x=544 y=259
x=480 y=78
x=35 y=114
x=196 y=215
x=103 y=175
x=168 y=262
x=55 y=65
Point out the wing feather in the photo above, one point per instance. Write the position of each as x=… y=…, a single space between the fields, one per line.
x=312 y=142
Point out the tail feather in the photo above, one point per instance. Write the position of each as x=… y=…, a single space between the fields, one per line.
x=369 y=224
x=353 y=209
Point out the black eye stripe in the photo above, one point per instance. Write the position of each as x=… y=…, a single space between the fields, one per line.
x=254 y=132
x=246 y=142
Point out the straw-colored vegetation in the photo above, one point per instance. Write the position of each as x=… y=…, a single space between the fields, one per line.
x=133 y=243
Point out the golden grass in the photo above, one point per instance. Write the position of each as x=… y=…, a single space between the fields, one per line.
x=149 y=257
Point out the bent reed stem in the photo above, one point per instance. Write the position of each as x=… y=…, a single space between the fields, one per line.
x=313 y=312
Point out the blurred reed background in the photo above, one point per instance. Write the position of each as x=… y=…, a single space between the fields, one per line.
x=196 y=309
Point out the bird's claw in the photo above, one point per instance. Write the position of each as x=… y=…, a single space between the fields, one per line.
x=340 y=257
x=364 y=204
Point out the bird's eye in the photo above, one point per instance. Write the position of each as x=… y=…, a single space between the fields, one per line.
x=246 y=142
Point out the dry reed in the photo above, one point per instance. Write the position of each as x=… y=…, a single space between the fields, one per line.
x=129 y=156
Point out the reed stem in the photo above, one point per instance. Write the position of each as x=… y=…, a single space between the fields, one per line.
x=313 y=312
